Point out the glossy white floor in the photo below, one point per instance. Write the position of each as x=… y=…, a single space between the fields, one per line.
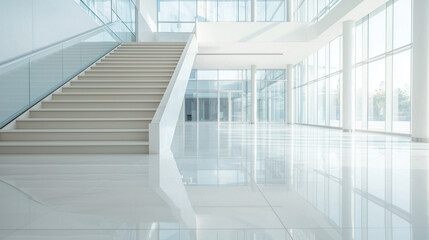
x=232 y=181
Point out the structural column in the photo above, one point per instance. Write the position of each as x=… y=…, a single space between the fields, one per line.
x=420 y=79
x=254 y=96
x=253 y=10
x=348 y=79
x=290 y=96
x=289 y=10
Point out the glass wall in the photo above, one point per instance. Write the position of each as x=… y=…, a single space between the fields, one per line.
x=106 y=11
x=383 y=69
x=225 y=96
x=317 y=87
x=382 y=75
x=311 y=10
x=271 y=95
x=179 y=15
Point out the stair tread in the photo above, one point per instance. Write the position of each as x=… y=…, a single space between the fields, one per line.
x=73 y=143
x=81 y=119
x=134 y=71
x=100 y=101
x=139 y=87
x=113 y=93
x=94 y=109
x=95 y=130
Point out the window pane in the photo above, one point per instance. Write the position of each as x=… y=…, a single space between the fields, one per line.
x=207 y=85
x=230 y=85
x=236 y=107
x=321 y=102
x=401 y=92
x=208 y=106
x=276 y=101
x=223 y=107
x=229 y=11
x=191 y=107
x=188 y=10
x=207 y=75
x=321 y=64
x=334 y=101
x=401 y=23
x=377 y=33
x=358 y=95
x=312 y=104
x=168 y=10
x=376 y=95
x=275 y=10
x=334 y=56
x=359 y=43
x=262 y=101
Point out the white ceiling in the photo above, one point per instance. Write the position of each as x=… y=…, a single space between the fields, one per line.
x=272 y=45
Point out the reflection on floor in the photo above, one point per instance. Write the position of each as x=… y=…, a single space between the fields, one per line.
x=232 y=181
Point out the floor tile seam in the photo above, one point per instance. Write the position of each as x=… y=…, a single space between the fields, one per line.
x=273 y=210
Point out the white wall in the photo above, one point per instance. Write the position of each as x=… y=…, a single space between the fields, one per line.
x=28 y=25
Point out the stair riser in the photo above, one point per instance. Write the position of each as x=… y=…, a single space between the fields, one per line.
x=157 y=44
x=74 y=136
x=100 y=105
x=92 y=114
x=147 y=64
x=148 y=51
x=143 y=57
x=149 y=77
x=102 y=124
x=108 y=97
x=75 y=149
x=129 y=73
x=150 y=47
x=119 y=83
x=113 y=90
x=123 y=68
x=144 y=53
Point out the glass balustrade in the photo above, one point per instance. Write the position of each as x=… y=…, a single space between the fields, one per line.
x=27 y=80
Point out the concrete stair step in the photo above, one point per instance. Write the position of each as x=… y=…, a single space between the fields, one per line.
x=83 y=123
x=148 y=50
x=93 y=113
x=171 y=67
x=138 y=63
x=145 y=53
x=73 y=147
x=117 y=89
x=108 y=96
x=119 y=77
x=144 y=57
x=100 y=104
x=124 y=83
x=75 y=135
x=121 y=73
x=153 y=44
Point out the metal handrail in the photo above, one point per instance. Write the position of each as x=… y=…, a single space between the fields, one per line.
x=53 y=45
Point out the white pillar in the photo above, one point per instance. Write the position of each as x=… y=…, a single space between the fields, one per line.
x=289 y=10
x=347 y=190
x=420 y=79
x=253 y=7
x=254 y=96
x=290 y=96
x=348 y=79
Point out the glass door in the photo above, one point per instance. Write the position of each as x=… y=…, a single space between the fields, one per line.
x=230 y=106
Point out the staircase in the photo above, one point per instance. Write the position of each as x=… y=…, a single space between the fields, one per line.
x=106 y=109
